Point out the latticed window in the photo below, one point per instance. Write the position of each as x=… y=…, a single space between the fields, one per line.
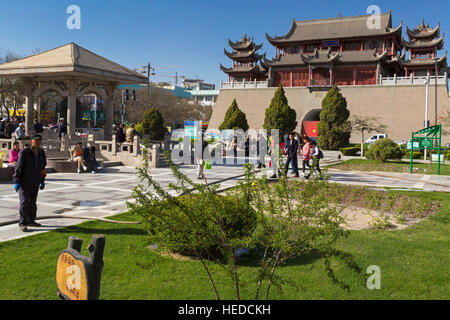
x=366 y=76
x=351 y=45
x=300 y=78
x=343 y=77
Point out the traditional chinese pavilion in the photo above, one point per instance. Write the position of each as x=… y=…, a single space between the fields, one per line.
x=342 y=51
x=245 y=61
x=423 y=46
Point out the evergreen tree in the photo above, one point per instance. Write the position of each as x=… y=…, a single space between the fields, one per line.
x=153 y=124
x=334 y=128
x=279 y=115
x=234 y=118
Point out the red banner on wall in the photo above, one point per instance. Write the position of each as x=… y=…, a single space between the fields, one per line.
x=310 y=128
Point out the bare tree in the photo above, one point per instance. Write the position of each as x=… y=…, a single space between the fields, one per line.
x=362 y=124
x=173 y=109
x=444 y=118
x=11 y=90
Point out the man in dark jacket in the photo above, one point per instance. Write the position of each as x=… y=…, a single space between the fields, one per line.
x=120 y=134
x=291 y=151
x=9 y=129
x=62 y=128
x=90 y=159
x=38 y=129
x=29 y=177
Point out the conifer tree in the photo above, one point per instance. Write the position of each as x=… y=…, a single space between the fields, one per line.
x=279 y=115
x=234 y=118
x=153 y=124
x=334 y=128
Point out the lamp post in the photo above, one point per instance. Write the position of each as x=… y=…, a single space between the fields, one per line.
x=427 y=82
x=435 y=91
x=148 y=69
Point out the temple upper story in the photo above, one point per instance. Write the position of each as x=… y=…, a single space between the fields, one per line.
x=355 y=50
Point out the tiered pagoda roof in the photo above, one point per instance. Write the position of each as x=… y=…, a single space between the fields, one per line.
x=327 y=57
x=423 y=31
x=423 y=39
x=245 y=58
x=336 y=28
x=438 y=43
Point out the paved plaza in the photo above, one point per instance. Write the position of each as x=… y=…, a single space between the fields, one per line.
x=105 y=194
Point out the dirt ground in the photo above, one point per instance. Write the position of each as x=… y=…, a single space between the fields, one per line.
x=363 y=218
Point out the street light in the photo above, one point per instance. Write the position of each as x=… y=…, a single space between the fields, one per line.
x=147 y=69
x=435 y=90
x=427 y=82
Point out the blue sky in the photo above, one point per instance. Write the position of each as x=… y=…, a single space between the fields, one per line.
x=190 y=35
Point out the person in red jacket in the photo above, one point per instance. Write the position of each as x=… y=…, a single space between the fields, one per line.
x=306 y=156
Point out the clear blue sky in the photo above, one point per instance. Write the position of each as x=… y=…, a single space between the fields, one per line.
x=188 y=34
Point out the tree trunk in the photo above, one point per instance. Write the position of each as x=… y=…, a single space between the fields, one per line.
x=362 y=143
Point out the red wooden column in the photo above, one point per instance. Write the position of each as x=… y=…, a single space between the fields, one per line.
x=291 y=77
x=310 y=75
x=393 y=45
x=354 y=76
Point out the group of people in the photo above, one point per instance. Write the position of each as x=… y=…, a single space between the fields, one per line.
x=125 y=135
x=84 y=157
x=302 y=146
x=17 y=126
x=9 y=126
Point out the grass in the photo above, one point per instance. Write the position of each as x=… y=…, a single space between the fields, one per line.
x=414 y=265
x=390 y=166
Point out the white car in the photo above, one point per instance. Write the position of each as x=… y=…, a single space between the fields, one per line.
x=376 y=137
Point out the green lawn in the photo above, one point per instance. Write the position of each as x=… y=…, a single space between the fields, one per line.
x=390 y=166
x=414 y=265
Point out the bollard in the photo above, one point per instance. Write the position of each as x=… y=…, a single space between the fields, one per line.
x=78 y=277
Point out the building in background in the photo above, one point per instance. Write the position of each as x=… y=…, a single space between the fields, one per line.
x=377 y=71
x=196 y=84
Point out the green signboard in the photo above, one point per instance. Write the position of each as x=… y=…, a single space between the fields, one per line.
x=426 y=142
x=90 y=115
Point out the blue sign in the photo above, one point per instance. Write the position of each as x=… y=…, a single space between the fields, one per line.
x=330 y=43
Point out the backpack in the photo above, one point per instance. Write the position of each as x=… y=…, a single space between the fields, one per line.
x=320 y=156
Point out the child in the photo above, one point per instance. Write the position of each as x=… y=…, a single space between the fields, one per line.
x=316 y=155
x=14 y=153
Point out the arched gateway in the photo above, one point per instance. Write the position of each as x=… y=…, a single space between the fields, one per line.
x=72 y=72
x=309 y=123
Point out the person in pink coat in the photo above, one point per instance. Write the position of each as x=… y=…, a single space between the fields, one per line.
x=14 y=153
x=306 y=156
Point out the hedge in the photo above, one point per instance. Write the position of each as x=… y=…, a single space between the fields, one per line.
x=350 y=151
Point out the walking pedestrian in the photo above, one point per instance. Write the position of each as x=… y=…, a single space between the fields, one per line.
x=306 y=156
x=291 y=151
x=200 y=158
x=29 y=177
x=316 y=155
